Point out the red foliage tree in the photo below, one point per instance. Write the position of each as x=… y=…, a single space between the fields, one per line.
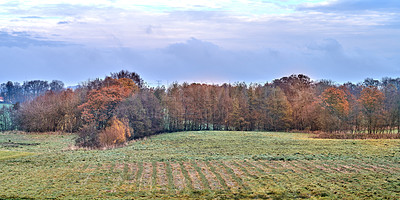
x=99 y=109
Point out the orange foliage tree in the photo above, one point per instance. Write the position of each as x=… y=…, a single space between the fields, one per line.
x=99 y=109
x=372 y=101
x=101 y=103
x=335 y=101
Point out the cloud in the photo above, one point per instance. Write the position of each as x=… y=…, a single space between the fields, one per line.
x=24 y=39
x=195 y=60
x=328 y=45
x=341 y=40
x=198 y=15
x=63 y=22
x=31 y=17
x=149 y=29
x=193 y=49
x=354 y=5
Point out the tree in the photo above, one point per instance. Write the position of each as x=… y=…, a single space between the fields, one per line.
x=100 y=107
x=56 y=86
x=51 y=112
x=278 y=110
x=101 y=103
x=129 y=75
x=300 y=92
x=8 y=120
x=335 y=101
x=12 y=92
x=372 y=101
x=35 y=88
x=144 y=113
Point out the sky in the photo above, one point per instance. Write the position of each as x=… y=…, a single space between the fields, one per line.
x=206 y=41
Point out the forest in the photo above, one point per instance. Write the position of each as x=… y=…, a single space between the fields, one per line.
x=121 y=107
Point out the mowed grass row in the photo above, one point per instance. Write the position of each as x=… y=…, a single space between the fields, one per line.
x=276 y=165
x=251 y=179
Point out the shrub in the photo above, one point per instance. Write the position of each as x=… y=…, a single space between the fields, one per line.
x=88 y=136
x=115 y=133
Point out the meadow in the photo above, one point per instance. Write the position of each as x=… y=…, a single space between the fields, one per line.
x=203 y=164
x=5 y=105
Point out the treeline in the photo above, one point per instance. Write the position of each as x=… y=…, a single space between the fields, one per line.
x=14 y=92
x=286 y=104
x=120 y=107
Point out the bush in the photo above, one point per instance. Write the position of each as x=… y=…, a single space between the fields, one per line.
x=115 y=133
x=88 y=136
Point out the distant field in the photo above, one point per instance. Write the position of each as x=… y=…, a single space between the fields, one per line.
x=5 y=105
x=206 y=164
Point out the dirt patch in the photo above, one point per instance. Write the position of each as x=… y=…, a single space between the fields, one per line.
x=296 y=169
x=238 y=172
x=162 y=179
x=271 y=165
x=146 y=180
x=132 y=172
x=260 y=166
x=302 y=166
x=17 y=144
x=179 y=179
x=250 y=168
x=226 y=176
x=194 y=176
x=211 y=178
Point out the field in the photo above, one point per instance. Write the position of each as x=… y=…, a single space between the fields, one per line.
x=205 y=164
x=5 y=105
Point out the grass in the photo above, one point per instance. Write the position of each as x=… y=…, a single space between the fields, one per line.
x=170 y=177
x=13 y=154
x=267 y=165
x=5 y=105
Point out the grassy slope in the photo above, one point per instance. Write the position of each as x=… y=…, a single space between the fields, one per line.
x=204 y=164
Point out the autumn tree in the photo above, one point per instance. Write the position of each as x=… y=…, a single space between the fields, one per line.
x=372 y=101
x=51 y=112
x=278 y=110
x=144 y=113
x=224 y=106
x=239 y=117
x=335 y=102
x=174 y=110
x=129 y=75
x=300 y=92
x=391 y=90
x=100 y=106
x=109 y=111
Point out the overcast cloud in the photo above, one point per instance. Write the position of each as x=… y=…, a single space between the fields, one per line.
x=206 y=41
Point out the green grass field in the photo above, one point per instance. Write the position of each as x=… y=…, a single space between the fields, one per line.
x=207 y=164
x=5 y=105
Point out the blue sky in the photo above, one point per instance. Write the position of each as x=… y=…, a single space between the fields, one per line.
x=199 y=41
